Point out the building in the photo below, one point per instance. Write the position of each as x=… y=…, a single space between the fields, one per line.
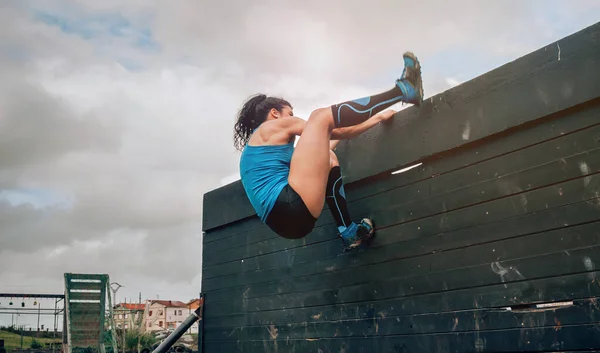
x=128 y=315
x=162 y=315
x=193 y=305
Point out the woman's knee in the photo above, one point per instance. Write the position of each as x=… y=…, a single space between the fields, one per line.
x=322 y=115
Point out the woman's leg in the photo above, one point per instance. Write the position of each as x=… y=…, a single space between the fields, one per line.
x=408 y=89
x=310 y=164
x=352 y=233
x=335 y=195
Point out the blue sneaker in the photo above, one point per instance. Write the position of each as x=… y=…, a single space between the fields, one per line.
x=411 y=82
x=358 y=234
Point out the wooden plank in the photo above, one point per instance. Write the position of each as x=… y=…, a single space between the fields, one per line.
x=417 y=217
x=85 y=285
x=561 y=156
x=552 y=289
x=556 y=126
x=86 y=277
x=84 y=295
x=268 y=282
x=237 y=229
x=433 y=239
x=84 y=307
x=430 y=279
x=583 y=311
x=415 y=224
x=225 y=205
x=570 y=121
x=579 y=337
x=491 y=178
x=516 y=93
x=515 y=247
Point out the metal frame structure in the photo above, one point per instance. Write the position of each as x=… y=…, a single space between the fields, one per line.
x=85 y=297
x=36 y=311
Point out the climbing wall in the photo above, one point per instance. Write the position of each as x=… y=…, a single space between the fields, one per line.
x=84 y=311
x=490 y=243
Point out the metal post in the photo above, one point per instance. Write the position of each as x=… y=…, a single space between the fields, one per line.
x=38 y=324
x=112 y=320
x=55 y=323
x=179 y=331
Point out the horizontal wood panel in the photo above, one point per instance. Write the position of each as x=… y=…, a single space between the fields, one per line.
x=237 y=229
x=580 y=312
x=85 y=295
x=84 y=307
x=537 y=199
x=551 y=339
x=423 y=282
x=85 y=277
x=509 y=173
x=225 y=205
x=570 y=213
x=558 y=288
x=93 y=286
x=569 y=121
x=516 y=247
x=516 y=93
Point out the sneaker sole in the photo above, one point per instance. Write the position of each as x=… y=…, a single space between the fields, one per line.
x=414 y=58
x=366 y=240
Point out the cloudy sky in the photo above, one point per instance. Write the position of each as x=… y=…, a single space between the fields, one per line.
x=116 y=116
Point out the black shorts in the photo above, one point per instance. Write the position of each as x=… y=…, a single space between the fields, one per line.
x=290 y=218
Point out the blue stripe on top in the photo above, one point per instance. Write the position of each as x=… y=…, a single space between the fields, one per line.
x=264 y=173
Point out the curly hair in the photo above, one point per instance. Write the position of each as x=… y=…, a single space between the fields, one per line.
x=253 y=113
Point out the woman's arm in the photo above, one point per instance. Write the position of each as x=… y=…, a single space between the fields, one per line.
x=295 y=126
x=345 y=133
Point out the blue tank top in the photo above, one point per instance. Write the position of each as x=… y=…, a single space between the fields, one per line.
x=264 y=173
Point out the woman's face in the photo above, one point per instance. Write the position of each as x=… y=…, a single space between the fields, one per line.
x=285 y=112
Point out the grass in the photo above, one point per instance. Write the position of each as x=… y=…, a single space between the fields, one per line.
x=13 y=340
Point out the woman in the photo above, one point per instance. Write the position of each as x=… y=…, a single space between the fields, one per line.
x=288 y=186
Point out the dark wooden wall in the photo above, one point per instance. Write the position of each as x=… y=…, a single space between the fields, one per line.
x=491 y=245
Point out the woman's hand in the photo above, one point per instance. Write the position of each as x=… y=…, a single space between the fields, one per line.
x=386 y=115
x=349 y=132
